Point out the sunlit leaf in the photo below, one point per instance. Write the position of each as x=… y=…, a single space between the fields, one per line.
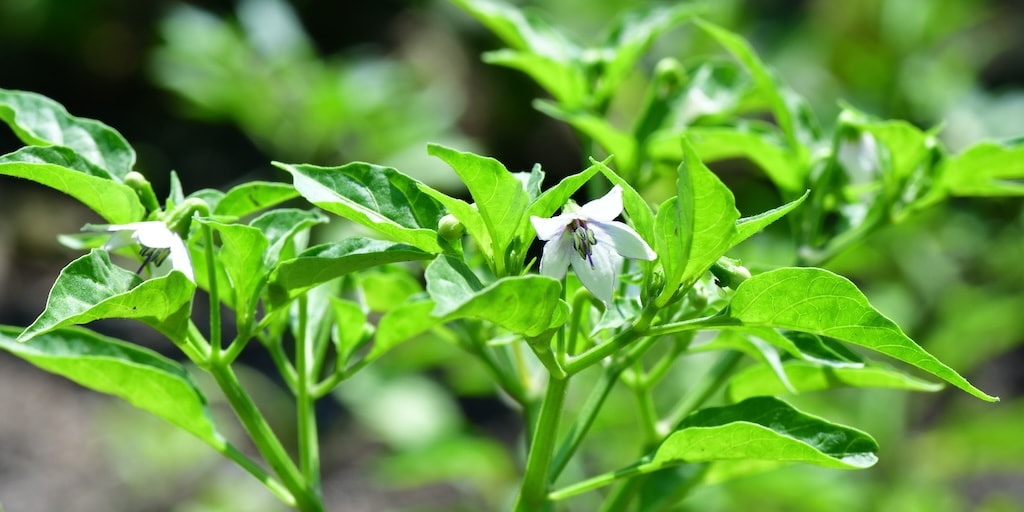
x=40 y=121
x=380 y=198
x=92 y=288
x=350 y=322
x=401 y=324
x=286 y=229
x=241 y=256
x=985 y=169
x=253 y=196
x=748 y=226
x=820 y=302
x=140 y=376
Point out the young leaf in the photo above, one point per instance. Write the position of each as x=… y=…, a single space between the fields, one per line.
x=253 y=196
x=499 y=196
x=401 y=324
x=40 y=121
x=350 y=321
x=140 y=376
x=324 y=262
x=807 y=377
x=748 y=226
x=765 y=429
x=562 y=78
x=286 y=228
x=450 y=283
x=241 y=256
x=820 y=302
x=985 y=169
x=639 y=212
x=616 y=142
x=66 y=171
x=468 y=215
x=380 y=198
x=92 y=288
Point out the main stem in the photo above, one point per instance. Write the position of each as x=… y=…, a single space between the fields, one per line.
x=533 y=493
x=309 y=455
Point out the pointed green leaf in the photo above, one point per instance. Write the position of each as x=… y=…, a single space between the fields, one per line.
x=287 y=231
x=499 y=196
x=66 y=171
x=380 y=198
x=527 y=305
x=748 y=226
x=519 y=29
x=639 y=212
x=40 y=121
x=468 y=215
x=807 y=377
x=241 y=256
x=92 y=288
x=765 y=429
x=253 y=196
x=985 y=169
x=554 y=198
x=820 y=302
x=564 y=80
x=618 y=143
x=324 y=262
x=140 y=376
x=350 y=322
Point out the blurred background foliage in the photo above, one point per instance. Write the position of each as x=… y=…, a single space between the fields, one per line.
x=215 y=90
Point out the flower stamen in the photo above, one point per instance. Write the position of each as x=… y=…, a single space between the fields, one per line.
x=583 y=240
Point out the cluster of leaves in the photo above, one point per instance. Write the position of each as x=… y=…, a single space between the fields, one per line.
x=535 y=335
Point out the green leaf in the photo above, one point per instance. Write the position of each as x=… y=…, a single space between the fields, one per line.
x=66 y=171
x=253 y=196
x=743 y=52
x=554 y=198
x=529 y=305
x=401 y=324
x=985 y=169
x=380 y=198
x=140 y=376
x=519 y=29
x=765 y=429
x=324 y=262
x=639 y=212
x=40 y=121
x=350 y=322
x=907 y=144
x=807 y=377
x=820 y=302
x=616 y=142
x=749 y=226
x=287 y=231
x=92 y=288
x=563 y=79
x=468 y=215
x=241 y=256
x=499 y=196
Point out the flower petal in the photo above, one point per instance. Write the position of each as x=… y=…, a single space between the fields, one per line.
x=622 y=239
x=549 y=228
x=156 y=235
x=600 y=278
x=605 y=209
x=557 y=253
x=180 y=259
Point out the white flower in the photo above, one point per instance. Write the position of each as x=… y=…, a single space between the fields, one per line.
x=588 y=238
x=160 y=246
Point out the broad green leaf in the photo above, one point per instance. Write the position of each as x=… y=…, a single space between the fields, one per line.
x=639 y=212
x=253 y=196
x=820 y=302
x=985 y=169
x=92 y=288
x=806 y=377
x=241 y=256
x=386 y=288
x=66 y=171
x=138 y=375
x=324 y=262
x=380 y=198
x=286 y=230
x=748 y=226
x=400 y=324
x=350 y=322
x=40 y=121
x=765 y=428
x=563 y=80
x=715 y=143
x=706 y=221
x=527 y=305
x=499 y=196
x=618 y=143
x=766 y=83
x=754 y=346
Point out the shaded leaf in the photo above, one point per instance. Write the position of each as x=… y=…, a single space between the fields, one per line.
x=985 y=169
x=806 y=377
x=253 y=196
x=401 y=324
x=749 y=226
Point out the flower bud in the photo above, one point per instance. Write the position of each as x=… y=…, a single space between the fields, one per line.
x=180 y=219
x=450 y=228
x=729 y=273
x=144 y=190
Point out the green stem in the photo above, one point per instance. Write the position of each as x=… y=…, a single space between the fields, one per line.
x=284 y=366
x=229 y=451
x=195 y=347
x=595 y=482
x=704 y=389
x=648 y=413
x=265 y=440
x=309 y=455
x=533 y=493
x=214 y=292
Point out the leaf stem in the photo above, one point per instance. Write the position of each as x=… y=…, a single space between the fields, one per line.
x=596 y=482
x=265 y=440
x=533 y=493
x=707 y=386
x=279 y=490
x=214 y=292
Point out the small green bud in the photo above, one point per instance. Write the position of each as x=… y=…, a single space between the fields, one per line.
x=144 y=190
x=669 y=74
x=729 y=273
x=180 y=219
x=450 y=228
